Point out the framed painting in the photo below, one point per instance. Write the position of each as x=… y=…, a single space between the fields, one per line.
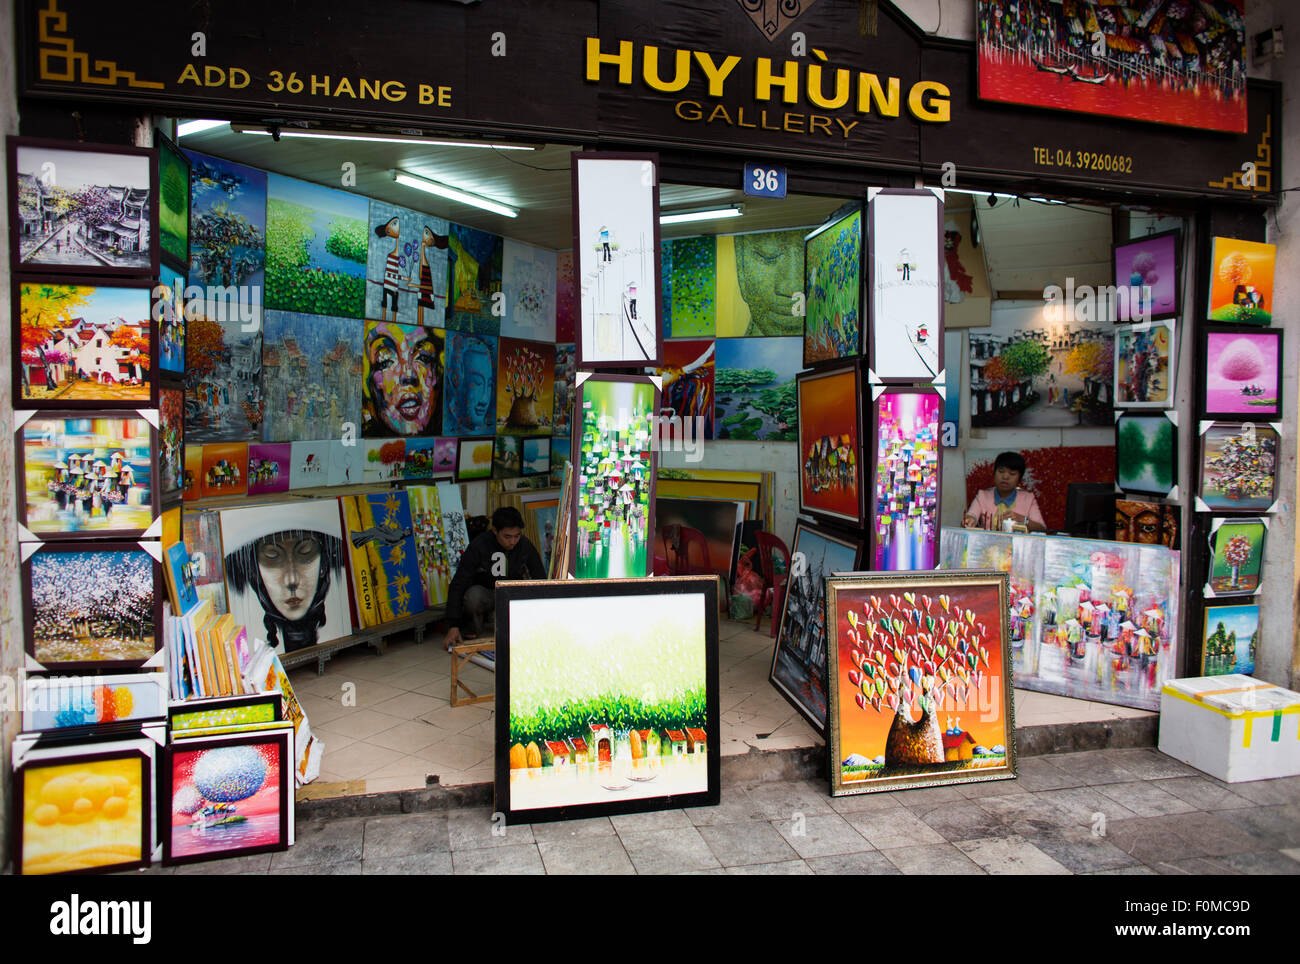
x=1148 y=277
x=1243 y=373
x=223 y=371
x=402 y=380
x=1146 y=453
x=92 y=606
x=1230 y=639
x=316 y=248
x=908 y=465
x=911 y=656
x=618 y=262
x=1145 y=361
x=82 y=208
x=312 y=376
x=905 y=281
x=633 y=666
x=84 y=345
x=1236 y=556
x=614 y=503
x=1238 y=470
x=754 y=390
x=80 y=705
x=227 y=796
x=832 y=324
x=830 y=443
x=525 y=387
x=57 y=833
x=535 y=456
x=173 y=203
x=406 y=266
x=1241 y=281
x=169 y=313
x=171 y=436
x=87 y=476
x=799 y=657
x=474 y=458
x=227 y=223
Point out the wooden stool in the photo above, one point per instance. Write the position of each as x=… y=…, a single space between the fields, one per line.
x=460 y=655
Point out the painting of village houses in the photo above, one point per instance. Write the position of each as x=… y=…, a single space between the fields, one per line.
x=83 y=343
x=313 y=371
x=83 y=209
x=1028 y=372
x=223 y=374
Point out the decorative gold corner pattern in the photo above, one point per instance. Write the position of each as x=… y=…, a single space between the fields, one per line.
x=1263 y=166
x=60 y=61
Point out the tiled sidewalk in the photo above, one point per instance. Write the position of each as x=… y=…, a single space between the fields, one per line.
x=1129 y=811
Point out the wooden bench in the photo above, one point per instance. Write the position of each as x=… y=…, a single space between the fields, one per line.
x=460 y=655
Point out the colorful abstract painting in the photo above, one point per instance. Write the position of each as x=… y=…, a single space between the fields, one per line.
x=832 y=326
x=469 y=395
x=312 y=376
x=171 y=416
x=406 y=266
x=316 y=248
x=528 y=282
x=906 y=496
x=693 y=282
x=525 y=387
x=384 y=562
x=227 y=223
x=402 y=387
x=269 y=467
x=1144 y=365
x=758 y=278
x=474 y=266
x=431 y=548
x=223 y=373
x=1241 y=281
x=224 y=470
x=830 y=446
x=169 y=309
x=688 y=386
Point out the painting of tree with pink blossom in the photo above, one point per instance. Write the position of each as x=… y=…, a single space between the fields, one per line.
x=1243 y=373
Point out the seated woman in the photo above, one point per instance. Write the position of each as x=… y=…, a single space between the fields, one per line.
x=991 y=507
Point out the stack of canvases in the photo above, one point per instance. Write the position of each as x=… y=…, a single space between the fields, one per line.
x=1240 y=407
x=873 y=373
x=337 y=340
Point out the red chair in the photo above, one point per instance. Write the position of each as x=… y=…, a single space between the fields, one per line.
x=768 y=546
x=678 y=543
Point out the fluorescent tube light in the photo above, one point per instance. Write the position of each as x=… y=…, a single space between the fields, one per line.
x=186 y=128
x=326 y=135
x=454 y=194
x=708 y=214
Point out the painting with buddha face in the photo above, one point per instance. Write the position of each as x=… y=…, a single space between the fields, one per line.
x=469 y=400
x=402 y=380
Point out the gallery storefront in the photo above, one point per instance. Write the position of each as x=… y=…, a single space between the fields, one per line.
x=821 y=104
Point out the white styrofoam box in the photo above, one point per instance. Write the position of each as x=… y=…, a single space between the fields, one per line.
x=1236 y=728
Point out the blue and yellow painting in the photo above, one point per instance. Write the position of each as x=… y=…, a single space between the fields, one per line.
x=385 y=565
x=474 y=275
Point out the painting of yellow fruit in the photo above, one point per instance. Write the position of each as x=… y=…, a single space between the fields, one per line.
x=84 y=815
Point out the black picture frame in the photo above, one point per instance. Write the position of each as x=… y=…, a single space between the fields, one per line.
x=1271 y=413
x=1120 y=250
x=694 y=591
x=89 y=264
x=1148 y=419
x=472 y=440
x=876 y=229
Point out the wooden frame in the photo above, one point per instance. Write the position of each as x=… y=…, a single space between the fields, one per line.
x=593 y=206
x=88 y=665
x=461 y=654
x=1120 y=387
x=1122 y=258
x=88 y=265
x=169 y=152
x=889 y=295
x=856 y=349
x=147 y=399
x=873 y=519
x=141 y=750
x=38 y=529
x=281 y=741
x=673 y=619
x=816 y=571
x=1224 y=337
x=806 y=441
x=875 y=614
x=579 y=460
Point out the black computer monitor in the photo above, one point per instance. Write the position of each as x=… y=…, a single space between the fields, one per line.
x=1090 y=510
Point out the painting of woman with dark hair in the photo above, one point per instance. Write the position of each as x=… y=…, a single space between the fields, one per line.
x=284 y=573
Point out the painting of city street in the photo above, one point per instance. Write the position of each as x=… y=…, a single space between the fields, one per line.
x=223 y=374
x=82 y=208
x=312 y=366
x=1027 y=372
x=227 y=223
x=1172 y=63
x=84 y=344
x=799 y=658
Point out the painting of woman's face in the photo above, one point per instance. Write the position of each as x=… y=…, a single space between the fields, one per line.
x=403 y=377
x=290 y=569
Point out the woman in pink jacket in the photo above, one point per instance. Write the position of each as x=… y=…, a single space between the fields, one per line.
x=991 y=507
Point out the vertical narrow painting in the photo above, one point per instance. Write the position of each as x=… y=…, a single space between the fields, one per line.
x=616 y=237
x=169 y=310
x=615 y=464
x=431 y=551
x=171 y=412
x=473 y=279
x=87 y=344
x=223 y=373
x=905 y=233
x=227 y=223
x=566 y=301
x=830 y=470
x=1237 y=556
x=455 y=532
x=284 y=573
x=566 y=366
x=1243 y=373
x=312 y=371
x=92 y=607
x=754 y=389
x=528 y=281
x=384 y=559
x=406 y=266
x=1241 y=281
x=316 y=248
x=1238 y=467
x=202 y=533
x=920 y=686
x=525 y=387
x=832 y=326
x=799 y=657
x=907 y=470
x=402 y=389
x=1231 y=639
x=758 y=277
x=690 y=286
x=688 y=377
x=173 y=202
x=84 y=813
x=87 y=476
x=1144 y=365
x=469 y=395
